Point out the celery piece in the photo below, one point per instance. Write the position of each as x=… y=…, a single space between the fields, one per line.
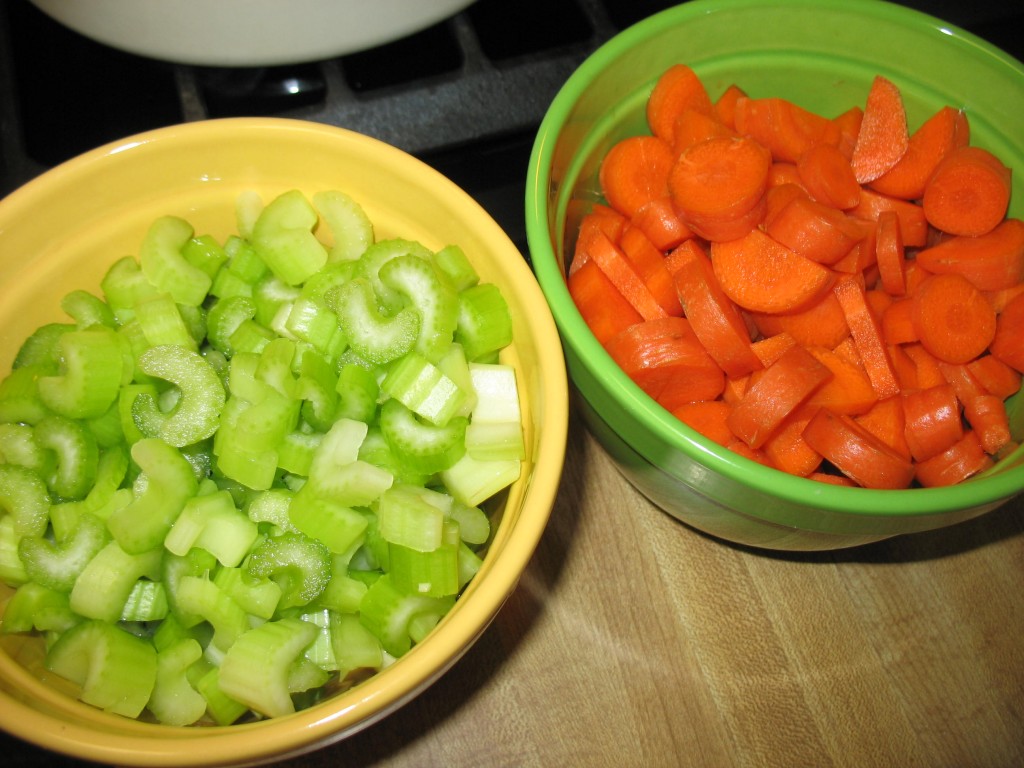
x=42 y=347
x=270 y=294
x=472 y=481
x=173 y=568
x=255 y=669
x=243 y=382
x=376 y=337
x=146 y=602
x=106 y=428
x=451 y=262
x=485 y=324
x=195 y=321
x=386 y=611
x=124 y=285
x=87 y=309
x=296 y=450
x=343 y=593
x=498 y=393
x=274 y=367
x=358 y=390
x=103 y=586
x=198 y=595
x=305 y=677
x=311 y=321
x=12 y=570
x=301 y=566
x=454 y=365
x=245 y=261
x=321 y=651
x=163 y=263
x=495 y=441
x=283 y=238
x=248 y=205
x=111 y=471
x=169 y=483
x=174 y=701
x=333 y=274
x=435 y=301
x=316 y=387
x=256 y=596
x=224 y=318
x=358 y=484
x=58 y=565
x=73 y=473
x=425 y=447
x=424 y=389
x=196 y=414
x=376 y=450
x=355 y=647
x=256 y=470
x=433 y=573
x=373 y=260
x=228 y=284
x=162 y=323
x=262 y=426
x=474 y=525
x=19 y=395
x=213 y=523
x=18 y=446
x=222 y=708
x=350 y=227
x=116 y=670
x=405 y=517
x=138 y=420
x=39 y=608
x=205 y=253
x=469 y=564
x=271 y=506
x=250 y=336
x=339 y=527
x=90 y=376
x=24 y=495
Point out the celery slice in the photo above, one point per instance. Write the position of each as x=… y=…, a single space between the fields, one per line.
x=435 y=301
x=222 y=708
x=472 y=481
x=423 y=388
x=284 y=240
x=350 y=227
x=146 y=602
x=161 y=322
x=404 y=517
x=196 y=415
x=25 y=496
x=213 y=522
x=355 y=646
x=76 y=454
x=485 y=324
x=58 y=565
x=90 y=378
x=87 y=310
x=106 y=581
x=426 y=447
x=301 y=566
x=34 y=606
x=386 y=611
x=339 y=527
x=174 y=700
x=377 y=337
x=202 y=597
x=451 y=261
x=163 y=263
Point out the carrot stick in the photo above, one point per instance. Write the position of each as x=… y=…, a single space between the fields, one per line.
x=762 y=275
x=605 y=310
x=985 y=412
x=993 y=261
x=931 y=420
x=952 y=318
x=898 y=322
x=678 y=89
x=889 y=254
x=660 y=222
x=848 y=390
x=707 y=417
x=788 y=450
x=814 y=230
x=995 y=376
x=822 y=324
x=667 y=361
x=867 y=337
x=775 y=394
x=635 y=171
x=954 y=465
x=649 y=264
x=725 y=105
x=600 y=218
x=941 y=133
x=913 y=224
x=782 y=126
x=856 y=452
x=886 y=422
x=883 y=137
x=714 y=317
x=968 y=192
x=827 y=174
x=1007 y=345
x=624 y=276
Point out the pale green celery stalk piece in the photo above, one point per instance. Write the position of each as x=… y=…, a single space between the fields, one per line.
x=255 y=669
x=57 y=565
x=423 y=388
x=224 y=318
x=355 y=647
x=250 y=336
x=271 y=506
x=200 y=596
x=321 y=651
x=77 y=456
x=42 y=348
x=339 y=527
x=124 y=285
x=90 y=377
x=19 y=395
x=316 y=386
x=404 y=517
x=433 y=573
x=222 y=708
x=174 y=701
x=103 y=586
x=317 y=287
x=497 y=392
x=18 y=446
x=197 y=413
x=126 y=409
x=147 y=601
x=305 y=676
x=374 y=336
x=228 y=284
x=343 y=593
x=379 y=254
x=386 y=611
x=245 y=261
x=270 y=294
x=469 y=564
x=338 y=474
x=205 y=253
x=296 y=451
x=454 y=365
x=111 y=470
x=485 y=324
x=434 y=300
x=425 y=447
x=474 y=525
x=167 y=482
x=25 y=498
x=162 y=323
x=472 y=481
x=34 y=607
x=358 y=390
x=451 y=261
x=87 y=309
x=242 y=380
x=107 y=427
x=12 y=570
x=262 y=426
x=274 y=367
x=173 y=568
x=116 y=670
x=248 y=205
x=495 y=441
x=351 y=229
x=300 y=565
x=283 y=238
x=164 y=265
x=256 y=596
x=215 y=524
x=313 y=322
x=254 y=469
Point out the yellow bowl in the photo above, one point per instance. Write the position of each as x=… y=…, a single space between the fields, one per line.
x=62 y=230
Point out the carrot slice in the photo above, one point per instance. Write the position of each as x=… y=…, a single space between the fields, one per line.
x=984 y=411
x=782 y=126
x=605 y=310
x=624 y=276
x=968 y=192
x=1007 y=345
x=649 y=264
x=785 y=174
x=952 y=318
x=889 y=254
x=954 y=465
x=761 y=275
x=827 y=174
x=822 y=324
x=883 y=137
x=847 y=127
x=995 y=376
x=856 y=452
x=993 y=261
x=927 y=372
x=913 y=224
x=788 y=450
x=867 y=336
x=886 y=422
x=601 y=218
x=677 y=90
x=635 y=171
x=848 y=390
x=775 y=395
x=941 y=133
x=714 y=317
x=693 y=126
x=707 y=417
x=814 y=230
x=660 y=222
x=725 y=105
x=898 y=322
x=931 y=420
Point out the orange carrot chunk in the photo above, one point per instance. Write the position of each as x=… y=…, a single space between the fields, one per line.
x=848 y=390
x=605 y=311
x=856 y=452
x=707 y=417
x=624 y=276
x=867 y=337
x=995 y=376
x=886 y=422
x=788 y=450
x=649 y=264
x=827 y=174
x=692 y=127
x=941 y=133
x=814 y=230
x=677 y=90
x=660 y=222
x=932 y=420
x=1007 y=345
x=952 y=318
x=603 y=219
x=889 y=254
x=725 y=105
x=782 y=126
x=883 y=136
x=993 y=261
x=968 y=192
x=635 y=171
x=913 y=224
x=954 y=465
x=985 y=412
x=898 y=322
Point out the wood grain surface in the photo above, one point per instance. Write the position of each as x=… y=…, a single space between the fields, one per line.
x=633 y=640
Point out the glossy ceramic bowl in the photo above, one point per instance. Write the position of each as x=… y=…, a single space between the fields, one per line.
x=62 y=230
x=821 y=54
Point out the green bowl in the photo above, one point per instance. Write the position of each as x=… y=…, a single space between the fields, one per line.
x=822 y=54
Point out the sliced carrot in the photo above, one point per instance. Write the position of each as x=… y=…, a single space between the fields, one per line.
x=788 y=450
x=878 y=300
x=779 y=196
x=883 y=137
x=927 y=372
x=941 y=133
x=814 y=230
x=776 y=393
x=993 y=261
x=822 y=324
x=677 y=90
x=886 y=422
x=952 y=318
x=725 y=105
x=995 y=376
x=624 y=276
x=999 y=299
x=898 y=322
x=913 y=224
x=954 y=465
x=856 y=452
x=693 y=126
x=782 y=126
x=660 y=222
x=848 y=390
x=889 y=254
x=771 y=348
x=601 y=218
x=707 y=417
x=968 y=192
x=714 y=317
x=635 y=171
x=784 y=173
x=915 y=273
x=735 y=386
x=718 y=186
x=649 y=264
x=1007 y=345
x=831 y=479
x=827 y=174
x=846 y=127
x=984 y=412
x=862 y=257
x=605 y=310
x=867 y=336
x=932 y=420
x=667 y=361
x=903 y=366
x=761 y=275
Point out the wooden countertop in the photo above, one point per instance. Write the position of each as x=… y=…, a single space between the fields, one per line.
x=634 y=641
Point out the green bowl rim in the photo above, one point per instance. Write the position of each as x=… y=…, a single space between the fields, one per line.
x=985 y=489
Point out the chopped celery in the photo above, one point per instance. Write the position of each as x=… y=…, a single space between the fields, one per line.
x=485 y=325
x=426 y=447
x=283 y=238
x=174 y=700
x=25 y=496
x=87 y=309
x=147 y=601
x=350 y=227
x=106 y=581
x=73 y=446
x=195 y=415
x=34 y=606
x=435 y=301
x=58 y=565
x=215 y=524
x=301 y=566
x=165 y=266
x=375 y=336
x=90 y=376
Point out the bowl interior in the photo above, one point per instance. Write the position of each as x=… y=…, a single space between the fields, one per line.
x=61 y=232
x=822 y=54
